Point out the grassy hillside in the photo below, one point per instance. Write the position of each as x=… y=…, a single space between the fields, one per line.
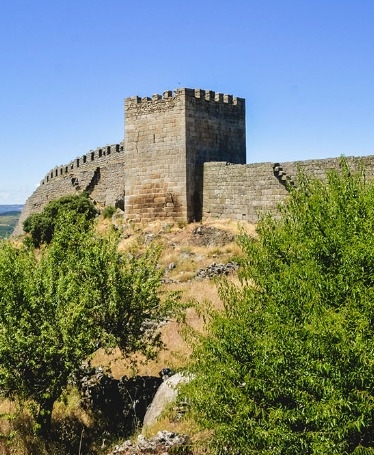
x=186 y=250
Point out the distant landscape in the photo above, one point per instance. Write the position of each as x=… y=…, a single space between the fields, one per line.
x=9 y=215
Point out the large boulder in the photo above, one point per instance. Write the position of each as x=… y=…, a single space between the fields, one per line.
x=165 y=395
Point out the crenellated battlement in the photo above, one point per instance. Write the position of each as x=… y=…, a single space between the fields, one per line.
x=156 y=97
x=187 y=93
x=93 y=158
x=221 y=98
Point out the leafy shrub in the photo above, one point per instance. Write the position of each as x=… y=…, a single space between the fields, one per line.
x=288 y=368
x=41 y=226
x=58 y=308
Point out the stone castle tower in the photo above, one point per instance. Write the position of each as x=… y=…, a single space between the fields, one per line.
x=167 y=140
x=157 y=171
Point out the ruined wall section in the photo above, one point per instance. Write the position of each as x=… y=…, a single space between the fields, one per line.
x=240 y=191
x=245 y=192
x=155 y=171
x=99 y=172
x=215 y=126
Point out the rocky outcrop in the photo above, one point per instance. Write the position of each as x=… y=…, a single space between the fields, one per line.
x=119 y=405
x=210 y=236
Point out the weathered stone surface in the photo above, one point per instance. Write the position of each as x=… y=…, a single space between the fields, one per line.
x=210 y=236
x=99 y=172
x=244 y=192
x=167 y=140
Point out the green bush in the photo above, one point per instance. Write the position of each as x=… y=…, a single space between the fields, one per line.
x=109 y=211
x=288 y=367
x=41 y=226
x=59 y=307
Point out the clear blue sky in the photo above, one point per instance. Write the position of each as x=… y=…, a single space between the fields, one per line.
x=305 y=67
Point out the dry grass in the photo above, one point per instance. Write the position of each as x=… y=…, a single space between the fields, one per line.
x=199 y=439
x=180 y=249
x=16 y=431
x=176 y=350
x=70 y=407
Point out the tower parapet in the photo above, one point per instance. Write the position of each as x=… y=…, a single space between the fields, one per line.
x=210 y=95
x=207 y=95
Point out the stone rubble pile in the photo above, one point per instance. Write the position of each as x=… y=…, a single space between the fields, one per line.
x=159 y=444
x=210 y=236
x=217 y=269
x=210 y=271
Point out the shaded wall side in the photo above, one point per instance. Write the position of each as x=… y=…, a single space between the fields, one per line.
x=100 y=173
x=215 y=131
x=155 y=170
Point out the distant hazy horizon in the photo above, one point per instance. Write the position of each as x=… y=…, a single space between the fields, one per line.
x=10 y=208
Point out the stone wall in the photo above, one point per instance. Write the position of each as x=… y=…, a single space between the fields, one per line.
x=241 y=191
x=155 y=170
x=319 y=168
x=99 y=172
x=245 y=192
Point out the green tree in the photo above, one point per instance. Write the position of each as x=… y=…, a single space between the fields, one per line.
x=58 y=308
x=288 y=367
x=41 y=226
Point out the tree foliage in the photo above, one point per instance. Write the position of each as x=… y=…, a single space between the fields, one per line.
x=41 y=226
x=59 y=307
x=288 y=367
